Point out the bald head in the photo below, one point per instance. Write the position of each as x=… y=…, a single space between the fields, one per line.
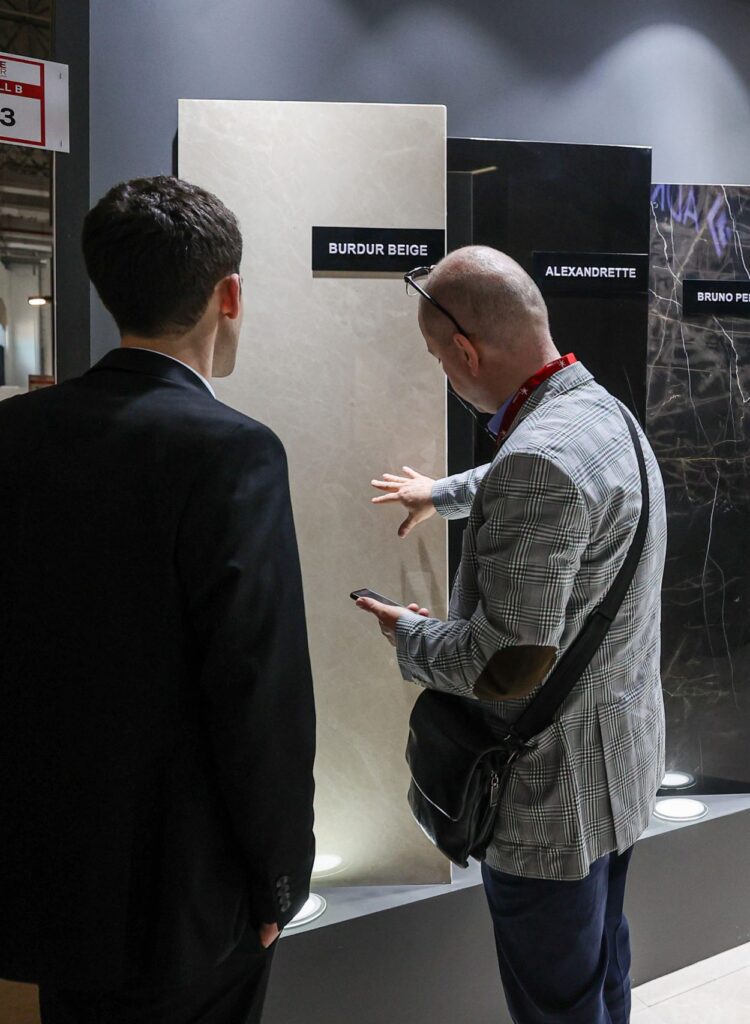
x=503 y=313
x=491 y=296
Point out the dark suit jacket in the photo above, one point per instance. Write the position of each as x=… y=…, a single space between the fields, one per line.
x=156 y=708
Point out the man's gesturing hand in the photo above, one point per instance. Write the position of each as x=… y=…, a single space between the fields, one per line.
x=414 y=491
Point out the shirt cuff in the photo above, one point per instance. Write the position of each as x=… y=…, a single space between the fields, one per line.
x=404 y=627
x=442 y=499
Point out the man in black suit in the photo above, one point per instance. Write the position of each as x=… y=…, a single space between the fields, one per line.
x=156 y=708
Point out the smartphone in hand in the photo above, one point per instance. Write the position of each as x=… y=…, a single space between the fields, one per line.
x=373 y=595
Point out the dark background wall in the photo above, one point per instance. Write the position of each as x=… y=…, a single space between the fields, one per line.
x=672 y=74
x=72 y=314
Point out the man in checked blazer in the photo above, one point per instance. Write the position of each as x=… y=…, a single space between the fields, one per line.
x=156 y=712
x=549 y=524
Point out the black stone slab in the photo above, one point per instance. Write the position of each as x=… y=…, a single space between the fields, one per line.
x=698 y=420
x=551 y=197
x=523 y=197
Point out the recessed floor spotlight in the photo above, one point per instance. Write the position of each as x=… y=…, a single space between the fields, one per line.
x=313 y=909
x=677 y=780
x=326 y=864
x=680 y=808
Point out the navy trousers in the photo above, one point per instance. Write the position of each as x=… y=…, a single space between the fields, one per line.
x=563 y=947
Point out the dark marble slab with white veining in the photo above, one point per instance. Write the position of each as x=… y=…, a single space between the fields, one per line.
x=698 y=421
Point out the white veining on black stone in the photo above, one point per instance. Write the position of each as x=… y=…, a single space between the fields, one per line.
x=698 y=419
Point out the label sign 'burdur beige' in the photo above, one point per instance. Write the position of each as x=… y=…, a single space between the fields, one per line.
x=337 y=367
x=375 y=250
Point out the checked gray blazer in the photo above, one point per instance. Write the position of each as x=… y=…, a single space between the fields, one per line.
x=549 y=524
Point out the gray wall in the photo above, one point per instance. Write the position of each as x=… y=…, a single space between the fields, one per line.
x=72 y=195
x=672 y=74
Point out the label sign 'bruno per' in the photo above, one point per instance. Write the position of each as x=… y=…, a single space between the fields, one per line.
x=591 y=273
x=375 y=250
x=716 y=298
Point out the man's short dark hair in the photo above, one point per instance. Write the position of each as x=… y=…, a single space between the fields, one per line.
x=155 y=249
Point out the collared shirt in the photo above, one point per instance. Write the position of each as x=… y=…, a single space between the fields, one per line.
x=497 y=425
x=494 y=424
x=174 y=359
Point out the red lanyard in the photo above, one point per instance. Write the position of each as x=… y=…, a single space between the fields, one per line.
x=531 y=385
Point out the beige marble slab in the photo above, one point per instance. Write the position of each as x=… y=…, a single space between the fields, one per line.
x=337 y=367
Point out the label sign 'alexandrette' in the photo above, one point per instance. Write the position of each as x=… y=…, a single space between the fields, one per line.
x=716 y=298
x=375 y=250
x=591 y=273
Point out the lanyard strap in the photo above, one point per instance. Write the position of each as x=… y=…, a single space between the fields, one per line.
x=528 y=387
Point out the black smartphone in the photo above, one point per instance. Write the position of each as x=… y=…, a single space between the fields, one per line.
x=356 y=594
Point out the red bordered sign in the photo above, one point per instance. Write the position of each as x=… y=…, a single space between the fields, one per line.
x=33 y=102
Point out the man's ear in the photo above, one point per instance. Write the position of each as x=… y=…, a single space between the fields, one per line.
x=468 y=352
x=229 y=291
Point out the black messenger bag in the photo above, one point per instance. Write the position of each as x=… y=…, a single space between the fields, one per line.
x=460 y=758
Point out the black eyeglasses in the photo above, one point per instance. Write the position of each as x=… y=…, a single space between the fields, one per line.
x=411 y=283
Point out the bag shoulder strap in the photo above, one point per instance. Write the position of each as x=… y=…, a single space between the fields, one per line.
x=575 y=660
